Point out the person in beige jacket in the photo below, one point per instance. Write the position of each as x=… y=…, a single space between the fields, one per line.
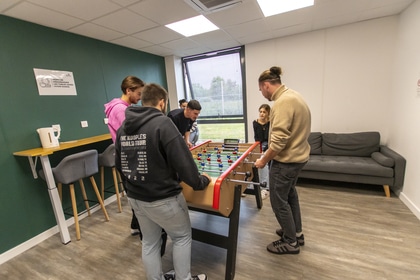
x=288 y=152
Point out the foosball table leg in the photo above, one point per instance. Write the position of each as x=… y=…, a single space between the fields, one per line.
x=257 y=188
x=257 y=192
x=258 y=198
x=229 y=242
x=233 y=234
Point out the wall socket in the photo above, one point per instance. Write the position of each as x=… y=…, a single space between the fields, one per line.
x=105 y=120
x=56 y=127
x=84 y=123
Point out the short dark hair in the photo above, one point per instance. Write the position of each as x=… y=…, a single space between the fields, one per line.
x=152 y=94
x=183 y=100
x=131 y=82
x=194 y=105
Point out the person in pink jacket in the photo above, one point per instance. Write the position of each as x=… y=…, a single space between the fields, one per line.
x=131 y=88
x=115 y=109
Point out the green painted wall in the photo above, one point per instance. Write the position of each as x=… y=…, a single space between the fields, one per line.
x=98 y=69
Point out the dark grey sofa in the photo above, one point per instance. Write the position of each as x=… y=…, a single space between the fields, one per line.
x=354 y=157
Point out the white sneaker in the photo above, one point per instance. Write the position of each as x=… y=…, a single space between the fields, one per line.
x=135 y=231
x=170 y=275
x=264 y=194
x=199 y=277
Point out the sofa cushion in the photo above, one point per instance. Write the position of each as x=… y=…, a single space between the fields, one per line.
x=348 y=165
x=315 y=140
x=383 y=159
x=359 y=144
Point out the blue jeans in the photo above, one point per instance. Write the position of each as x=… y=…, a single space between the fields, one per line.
x=172 y=215
x=284 y=197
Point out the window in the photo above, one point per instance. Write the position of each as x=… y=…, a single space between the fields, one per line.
x=216 y=80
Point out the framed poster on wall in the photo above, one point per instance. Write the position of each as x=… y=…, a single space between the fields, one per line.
x=55 y=82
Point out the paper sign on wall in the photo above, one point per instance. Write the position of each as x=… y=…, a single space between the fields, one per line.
x=54 y=82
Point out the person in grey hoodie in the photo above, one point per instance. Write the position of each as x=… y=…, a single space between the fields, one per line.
x=153 y=158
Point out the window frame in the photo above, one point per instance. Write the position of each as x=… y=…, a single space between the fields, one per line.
x=188 y=91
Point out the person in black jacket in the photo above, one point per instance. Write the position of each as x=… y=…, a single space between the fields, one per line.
x=184 y=118
x=153 y=158
x=194 y=131
x=261 y=128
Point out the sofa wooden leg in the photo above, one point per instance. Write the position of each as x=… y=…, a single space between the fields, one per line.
x=387 y=191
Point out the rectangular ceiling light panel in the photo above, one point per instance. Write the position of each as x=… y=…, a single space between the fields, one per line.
x=193 y=26
x=274 y=7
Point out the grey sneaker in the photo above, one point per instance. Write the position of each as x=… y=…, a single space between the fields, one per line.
x=280 y=247
x=199 y=277
x=300 y=239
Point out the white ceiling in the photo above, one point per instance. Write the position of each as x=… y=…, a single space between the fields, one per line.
x=140 y=24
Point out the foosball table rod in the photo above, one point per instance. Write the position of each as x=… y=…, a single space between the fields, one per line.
x=256 y=191
x=264 y=184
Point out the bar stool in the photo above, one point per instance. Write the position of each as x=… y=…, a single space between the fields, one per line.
x=107 y=159
x=74 y=168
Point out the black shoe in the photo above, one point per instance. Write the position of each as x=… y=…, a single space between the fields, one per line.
x=280 y=247
x=300 y=239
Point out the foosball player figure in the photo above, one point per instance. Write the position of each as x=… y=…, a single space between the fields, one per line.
x=230 y=161
x=220 y=167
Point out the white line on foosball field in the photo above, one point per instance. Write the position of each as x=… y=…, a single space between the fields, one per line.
x=211 y=171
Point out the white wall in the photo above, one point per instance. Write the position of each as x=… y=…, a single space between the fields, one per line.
x=404 y=111
x=344 y=73
x=356 y=77
x=174 y=79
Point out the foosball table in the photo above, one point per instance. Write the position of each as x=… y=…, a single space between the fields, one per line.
x=230 y=165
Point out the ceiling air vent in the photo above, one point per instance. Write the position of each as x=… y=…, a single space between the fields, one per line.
x=209 y=6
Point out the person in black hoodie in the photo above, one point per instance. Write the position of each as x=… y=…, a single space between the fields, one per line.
x=153 y=158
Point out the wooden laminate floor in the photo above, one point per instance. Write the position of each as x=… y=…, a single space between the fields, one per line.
x=350 y=233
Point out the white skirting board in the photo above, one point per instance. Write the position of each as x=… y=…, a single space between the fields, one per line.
x=10 y=254
x=413 y=208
